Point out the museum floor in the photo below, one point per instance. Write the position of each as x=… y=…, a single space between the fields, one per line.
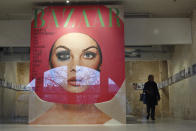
x=140 y=125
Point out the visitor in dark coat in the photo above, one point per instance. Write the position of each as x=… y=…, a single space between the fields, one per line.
x=152 y=96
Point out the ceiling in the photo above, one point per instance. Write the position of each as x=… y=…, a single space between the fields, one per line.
x=22 y=9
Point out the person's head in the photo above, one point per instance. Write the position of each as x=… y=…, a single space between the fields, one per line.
x=75 y=49
x=150 y=77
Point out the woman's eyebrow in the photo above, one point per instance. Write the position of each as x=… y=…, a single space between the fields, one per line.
x=89 y=48
x=62 y=47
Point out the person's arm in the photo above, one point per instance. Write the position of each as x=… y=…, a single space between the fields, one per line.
x=145 y=90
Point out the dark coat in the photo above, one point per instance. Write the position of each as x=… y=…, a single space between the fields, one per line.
x=152 y=93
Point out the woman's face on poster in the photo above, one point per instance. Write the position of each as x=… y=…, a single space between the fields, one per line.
x=73 y=50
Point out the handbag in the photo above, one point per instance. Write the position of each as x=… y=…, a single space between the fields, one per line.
x=143 y=97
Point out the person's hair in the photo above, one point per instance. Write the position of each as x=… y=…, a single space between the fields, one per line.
x=150 y=76
x=98 y=47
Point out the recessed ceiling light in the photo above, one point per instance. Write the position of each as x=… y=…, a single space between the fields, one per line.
x=67 y=1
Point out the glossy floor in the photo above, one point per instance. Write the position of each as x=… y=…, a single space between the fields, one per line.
x=140 y=125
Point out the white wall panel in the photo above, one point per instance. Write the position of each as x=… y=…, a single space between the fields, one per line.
x=15 y=33
x=140 y=31
x=157 y=31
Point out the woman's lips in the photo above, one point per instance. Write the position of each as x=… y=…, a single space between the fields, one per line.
x=74 y=82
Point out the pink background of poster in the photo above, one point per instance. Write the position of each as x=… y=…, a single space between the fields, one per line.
x=109 y=38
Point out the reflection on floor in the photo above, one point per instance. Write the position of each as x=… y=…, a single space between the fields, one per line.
x=140 y=125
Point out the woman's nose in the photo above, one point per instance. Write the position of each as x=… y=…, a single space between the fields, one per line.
x=73 y=63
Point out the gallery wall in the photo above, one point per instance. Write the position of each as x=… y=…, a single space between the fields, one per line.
x=14 y=103
x=182 y=94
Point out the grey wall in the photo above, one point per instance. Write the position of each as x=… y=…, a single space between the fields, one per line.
x=182 y=94
x=14 y=104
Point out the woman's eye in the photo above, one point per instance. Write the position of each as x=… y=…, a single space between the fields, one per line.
x=89 y=55
x=63 y=55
